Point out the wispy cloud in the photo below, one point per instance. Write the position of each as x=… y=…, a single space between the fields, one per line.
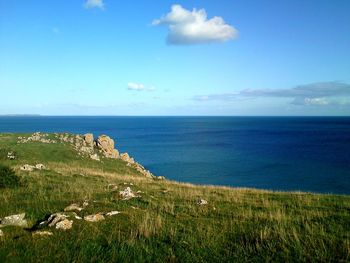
x=139 y=87
x=320 y=94
x=94 y=4
x=193 y=27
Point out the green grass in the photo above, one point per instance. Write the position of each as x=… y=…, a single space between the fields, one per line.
x=165 y=224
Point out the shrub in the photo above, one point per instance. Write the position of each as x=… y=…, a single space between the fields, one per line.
x=8 y=177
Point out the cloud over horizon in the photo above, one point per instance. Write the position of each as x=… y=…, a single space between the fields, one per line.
x=318 y=94
x=139 y=87
x=94 y=4
x=193 y=27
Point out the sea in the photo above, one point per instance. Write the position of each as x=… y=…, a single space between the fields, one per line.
x=309 y=154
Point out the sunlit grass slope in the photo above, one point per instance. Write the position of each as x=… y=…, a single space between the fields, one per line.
x=165 y=224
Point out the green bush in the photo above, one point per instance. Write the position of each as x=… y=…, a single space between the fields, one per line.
x=8 y=177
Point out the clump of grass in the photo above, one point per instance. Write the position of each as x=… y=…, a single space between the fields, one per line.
x=8 y=177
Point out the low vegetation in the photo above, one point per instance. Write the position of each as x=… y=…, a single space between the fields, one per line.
x=164 y=223
x=8 y=177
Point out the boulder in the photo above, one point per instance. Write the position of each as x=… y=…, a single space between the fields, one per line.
x=106 y=145
x=64 y=224
x=127 y=193
x=56 y=218
x=89 y=139
x=15 y=220
x=94 y=218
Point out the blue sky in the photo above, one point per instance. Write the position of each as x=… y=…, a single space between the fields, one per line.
x=105 y=57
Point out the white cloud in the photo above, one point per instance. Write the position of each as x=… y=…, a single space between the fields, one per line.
x=315 y=94
x=94 y=4
x=311 y=101
x=193 y=27
x=139 y=87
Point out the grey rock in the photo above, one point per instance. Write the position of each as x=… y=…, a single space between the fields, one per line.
x=15 y=220
x=64 y=224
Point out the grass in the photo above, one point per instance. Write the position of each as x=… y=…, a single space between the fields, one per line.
x=165 y=224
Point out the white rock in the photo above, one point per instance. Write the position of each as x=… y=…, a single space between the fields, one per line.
x=27 y=167
x=40 y=166
x=94 y=218
x=127 y=193
x=112 y=213
x=202 y=202
x=1 y=233
x=56 y=218
x=64 y=224
x=95 y=157
x=15 y=220
x=73 y=207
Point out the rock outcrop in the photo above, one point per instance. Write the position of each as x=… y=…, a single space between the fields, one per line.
x=126 y=158
x=89 y=139
x=36 y=137
x=106 y=146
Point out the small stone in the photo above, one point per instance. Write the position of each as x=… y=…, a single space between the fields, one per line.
x=1 y=233
x=112 y=213
x=15 y=220
x=85 y=204
x=42 y=233
x=73 y=207
x=94 y=218
x=202 y=202
x=65 y=224
x=160 y=177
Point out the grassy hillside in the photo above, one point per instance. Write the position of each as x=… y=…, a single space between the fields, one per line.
x=164 y=224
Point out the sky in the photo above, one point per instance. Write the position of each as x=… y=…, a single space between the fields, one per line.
x=229 y=58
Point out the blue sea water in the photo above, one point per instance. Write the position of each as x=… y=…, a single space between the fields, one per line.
x=278 y=153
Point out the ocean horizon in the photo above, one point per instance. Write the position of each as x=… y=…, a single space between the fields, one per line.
x=292 y=153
